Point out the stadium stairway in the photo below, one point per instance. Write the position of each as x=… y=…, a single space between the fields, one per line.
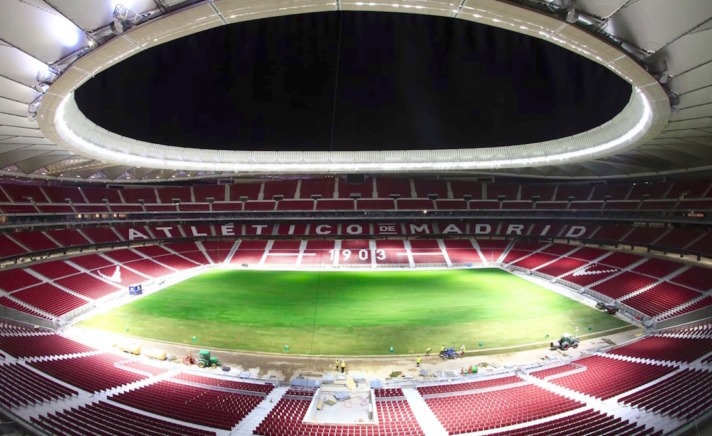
x=259 y=413
x=423 y=414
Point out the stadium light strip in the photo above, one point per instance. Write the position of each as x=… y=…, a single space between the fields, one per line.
x=110 y=154
x=645 y=114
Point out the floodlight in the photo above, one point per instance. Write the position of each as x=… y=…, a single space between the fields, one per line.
x=572 y=16
x=41 y=87
x=33 y=107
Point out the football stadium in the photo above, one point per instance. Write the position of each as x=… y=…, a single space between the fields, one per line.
x=345 y=218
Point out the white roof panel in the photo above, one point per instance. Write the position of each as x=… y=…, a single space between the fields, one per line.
x=19 y=66
x=35 y=32
x=12 y=107
x=652 y=24
x=100 y=12
x=16 y=91
x=39 y=30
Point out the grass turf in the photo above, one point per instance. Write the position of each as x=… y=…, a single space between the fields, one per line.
x=354 y=313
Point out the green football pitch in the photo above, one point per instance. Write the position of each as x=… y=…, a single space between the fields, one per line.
x=355 y=313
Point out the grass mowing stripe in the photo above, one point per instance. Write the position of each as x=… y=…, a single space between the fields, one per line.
x=353 y=313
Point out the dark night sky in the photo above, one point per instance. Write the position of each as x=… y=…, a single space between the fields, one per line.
x=402 y=82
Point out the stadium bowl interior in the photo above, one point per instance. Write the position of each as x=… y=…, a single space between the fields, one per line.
x=285 y=153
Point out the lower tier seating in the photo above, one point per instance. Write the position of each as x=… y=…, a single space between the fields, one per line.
x=497 y=408
x=587 y=422
x=20 y=386
x=672 y=395
x=41 y=345
x=199 y=405
x=90 y=373
x=605 y=377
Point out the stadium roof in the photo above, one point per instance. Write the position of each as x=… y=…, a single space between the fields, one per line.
x=662 y=49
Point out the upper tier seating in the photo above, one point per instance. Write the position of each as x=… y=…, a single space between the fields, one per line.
x=571 y=191
x=615 y=191
x=393 y=187
x=360 y=190
x=284 y=188
x=502 y=191
x=25 y=193
x=101 y=195
x=317 y=188
x=246 y=191
x=689 y=189
x=205 y=193
x=335 y=204
x=649 y=190
x=139 y=195
x=462 y=189
x=428 y=188
x=172 y=194
x=538 y=192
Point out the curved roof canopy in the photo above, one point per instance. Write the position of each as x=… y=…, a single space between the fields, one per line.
x=79 y=42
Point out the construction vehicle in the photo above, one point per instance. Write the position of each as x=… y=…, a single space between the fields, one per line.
x=566 y=341
x=205 y=359
x=449 y=353
x=610 y=308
